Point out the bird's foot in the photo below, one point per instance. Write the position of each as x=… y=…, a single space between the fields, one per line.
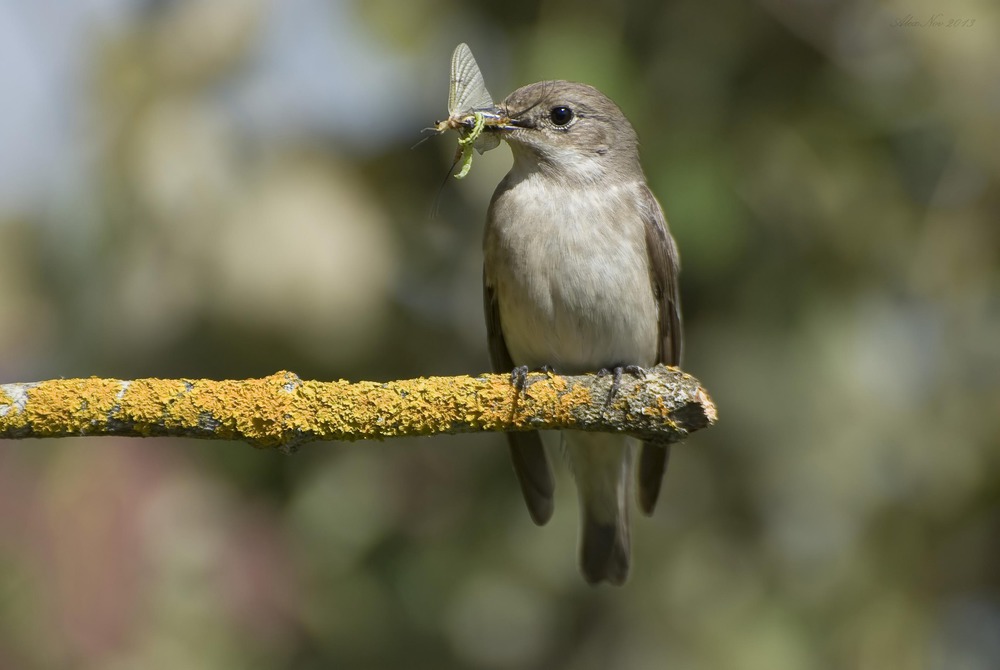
x=616 y=378
x=519 y=376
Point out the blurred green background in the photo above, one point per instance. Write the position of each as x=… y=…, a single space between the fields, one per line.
x=228 y=188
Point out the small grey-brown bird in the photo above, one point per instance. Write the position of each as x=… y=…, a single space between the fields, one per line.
x=580 y=275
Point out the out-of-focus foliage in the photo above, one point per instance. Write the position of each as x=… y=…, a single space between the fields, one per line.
x=230 y=188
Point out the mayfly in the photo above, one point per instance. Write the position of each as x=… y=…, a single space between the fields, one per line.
x=470 y=109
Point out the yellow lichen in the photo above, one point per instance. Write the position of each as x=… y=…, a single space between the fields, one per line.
x=70 y=405
x=280 y=409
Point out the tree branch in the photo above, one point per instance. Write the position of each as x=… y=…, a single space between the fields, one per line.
x=284 y=411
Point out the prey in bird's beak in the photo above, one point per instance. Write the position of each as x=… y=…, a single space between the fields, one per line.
x=471 y=110
x=465 y=121
x=478 y=131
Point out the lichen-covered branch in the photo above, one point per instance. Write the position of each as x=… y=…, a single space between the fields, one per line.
x=284 y=411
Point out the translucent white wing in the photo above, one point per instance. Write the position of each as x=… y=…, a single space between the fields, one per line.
x=486 y=141
x=468 y=90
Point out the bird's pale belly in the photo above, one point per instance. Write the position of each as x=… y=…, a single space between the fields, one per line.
x=578 y=313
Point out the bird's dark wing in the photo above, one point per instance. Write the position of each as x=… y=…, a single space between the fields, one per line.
x=664 y=268
x=526 y=450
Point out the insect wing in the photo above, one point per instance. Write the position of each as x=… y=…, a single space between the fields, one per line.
x=486 y=141
x=468 y=90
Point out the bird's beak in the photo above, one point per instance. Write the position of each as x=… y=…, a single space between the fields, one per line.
x=510 y=123
x=514 y=124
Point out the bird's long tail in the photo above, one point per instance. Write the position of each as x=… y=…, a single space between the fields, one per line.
x=601 y=466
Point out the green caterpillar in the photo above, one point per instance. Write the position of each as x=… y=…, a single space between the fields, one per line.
x=466 y=142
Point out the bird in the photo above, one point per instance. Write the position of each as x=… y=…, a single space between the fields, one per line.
x=580 y=274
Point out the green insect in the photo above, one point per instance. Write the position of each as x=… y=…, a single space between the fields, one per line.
x=469 y=102
x=468 y=142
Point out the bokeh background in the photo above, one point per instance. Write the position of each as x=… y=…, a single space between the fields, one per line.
x=227 y=188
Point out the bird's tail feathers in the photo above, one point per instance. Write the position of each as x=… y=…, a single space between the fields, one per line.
x=601 y=468
x=604 y=551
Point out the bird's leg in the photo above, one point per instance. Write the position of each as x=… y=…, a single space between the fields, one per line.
x=519 y=376
x=616 y=378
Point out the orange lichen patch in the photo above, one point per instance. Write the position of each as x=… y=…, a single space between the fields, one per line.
x=454 y=406
x=146 y=402
x=318 y=407
x=339 y=410
x=368 y=409
x=70 y=405
x=252 y=409
x=556 y=397
x=497 y=402
x=430 y=407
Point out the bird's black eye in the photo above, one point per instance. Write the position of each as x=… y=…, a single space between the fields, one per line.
x=561 y=115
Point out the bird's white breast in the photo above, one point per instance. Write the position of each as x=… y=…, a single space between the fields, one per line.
x=571 y=273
